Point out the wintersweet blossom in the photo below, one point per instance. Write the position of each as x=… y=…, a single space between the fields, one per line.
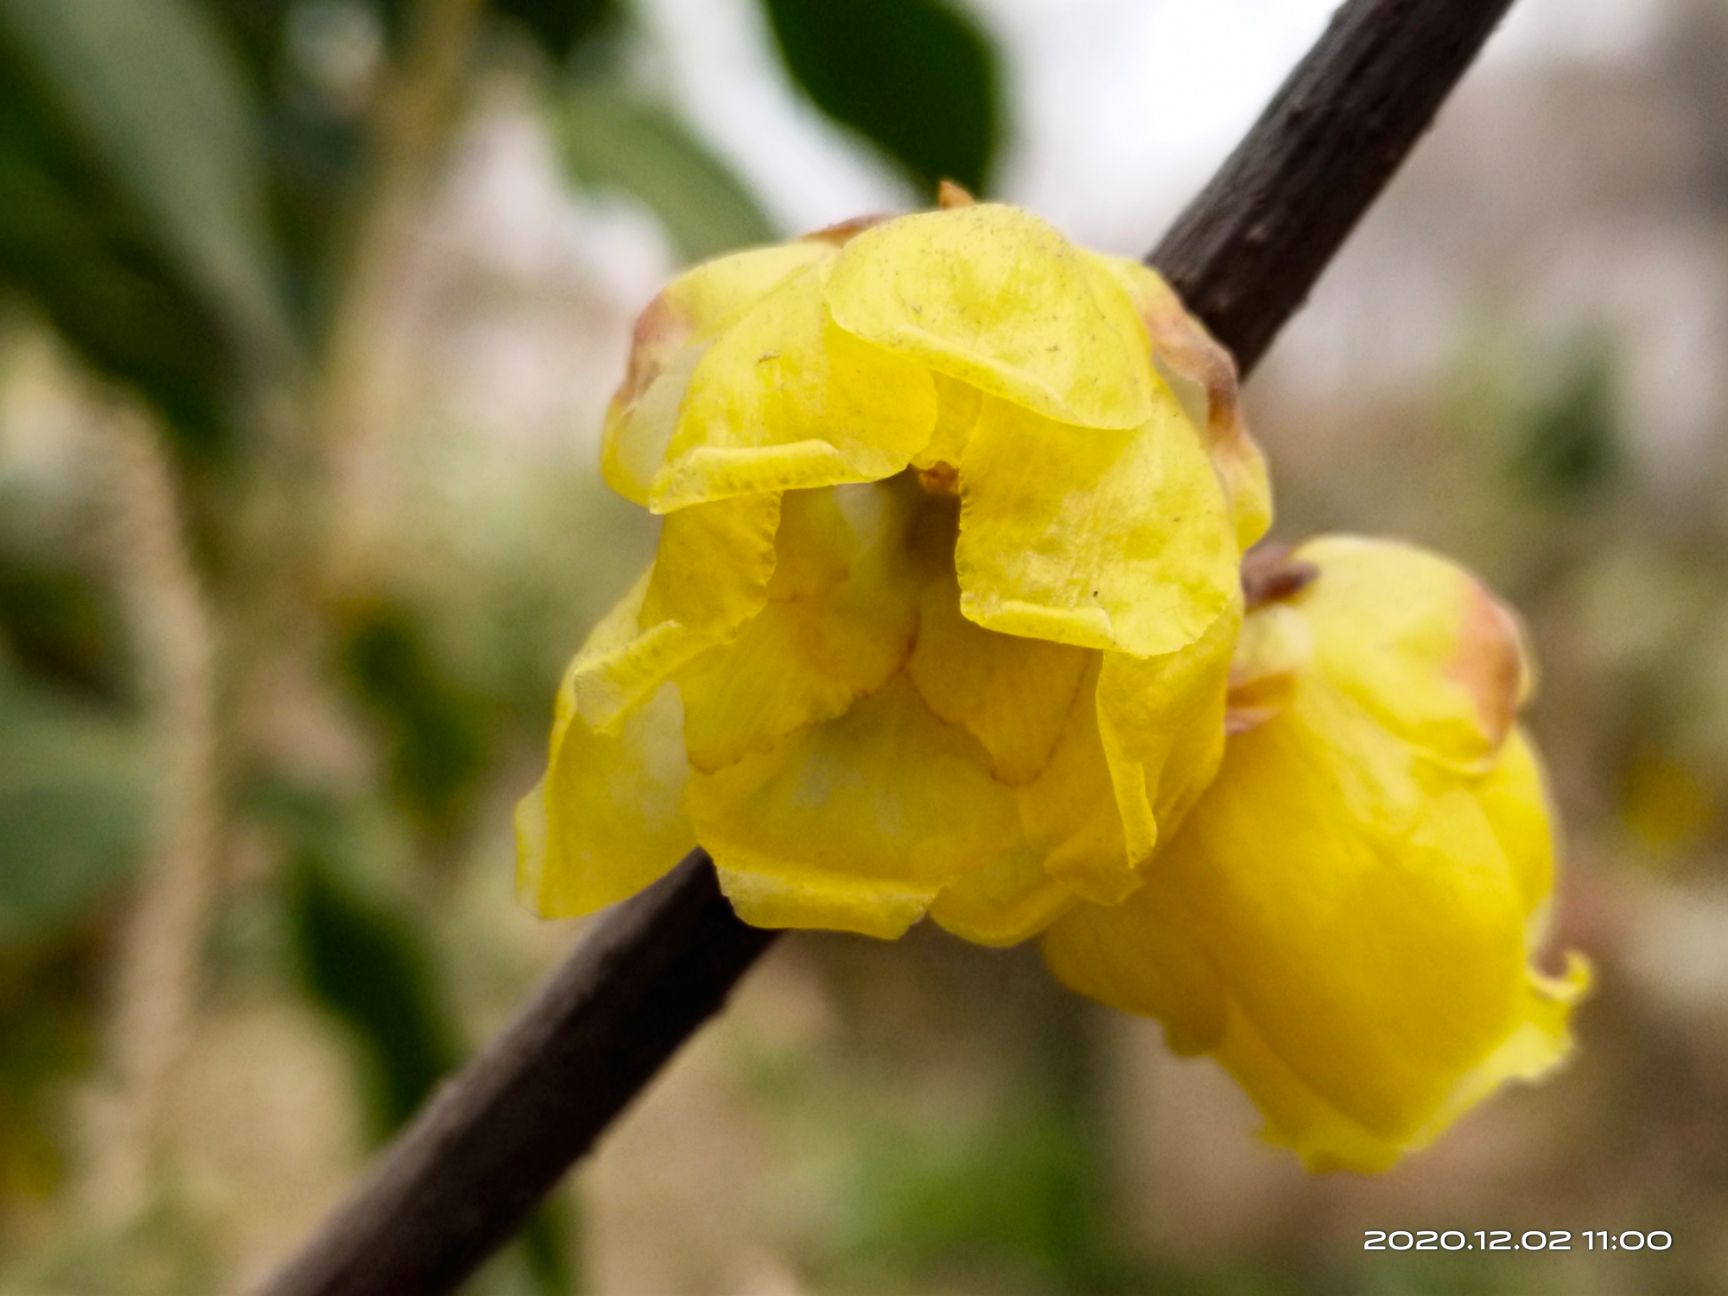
x=1347 y=917
x=946 y=593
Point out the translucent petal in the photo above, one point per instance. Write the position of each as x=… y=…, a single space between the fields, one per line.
x=607 y=819
x=1374 y=982
x=1514 y=796
x=671 y=335
x=1102 y=539
x=1161 y=732
x=710 y=576
x=840 y=620
x=1012 y=694
x=1139 y=960
x=957 y=406
x=857 y=822
x=1009 y=901
x=1362 y=911
x=1070 y=813
x=783 y=399
x=1418 y=642
x=1203 y=376
x=995 y=297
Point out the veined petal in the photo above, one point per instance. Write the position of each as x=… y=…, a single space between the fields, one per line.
x=856 y=822
x=1102 y=539
x=1012 y=694
x=957 y=406
x=1514 y=796
x=710 y=576
x=671 y=335
x=1010 y=900
x=607 y=819
x=1362 y=903
x=1203 y=376
x=839 y=621
x=1418 y=643
x=1161 y=730
x=785 y=400
x=1373 y=982
x=995 y=297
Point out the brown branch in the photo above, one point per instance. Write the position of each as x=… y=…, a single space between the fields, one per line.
x=496 y=1138
x=500 y=1134
x=1248 y=249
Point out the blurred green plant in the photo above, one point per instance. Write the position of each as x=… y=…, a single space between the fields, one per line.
x=613 y=138
x=72 y=808
x=134 y=201
x=1570 y=442
x=917 y=77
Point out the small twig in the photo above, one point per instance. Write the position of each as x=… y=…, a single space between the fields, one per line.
x=1248 y=249
x=494 y=1140
x=500 y=1134
x=157 y=981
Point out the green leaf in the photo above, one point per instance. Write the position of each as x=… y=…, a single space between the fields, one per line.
x=72 y=808
x=132 y=196
x=560 y=27
x=368 y=966
x=612 y=138
x=1570 y=444
x=436 y=727
x=916 y=76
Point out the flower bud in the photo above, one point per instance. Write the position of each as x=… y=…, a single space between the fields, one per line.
x=1347 y=916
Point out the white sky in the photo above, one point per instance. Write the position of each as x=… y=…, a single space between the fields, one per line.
x=1121 y=107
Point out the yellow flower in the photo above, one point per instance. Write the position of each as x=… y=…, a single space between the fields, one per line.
x=1347 y=916
x=946 y=590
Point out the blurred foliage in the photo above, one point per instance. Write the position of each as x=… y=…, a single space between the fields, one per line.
x=56 y=622
x=46 y=985
x=613 y=138
x=438 y=731
x=1569 y=444
x=362 y=960
x=917 y=77
x=134 y=199
x=71 y=807
x=562 y=27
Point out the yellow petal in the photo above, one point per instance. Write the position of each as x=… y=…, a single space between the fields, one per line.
x=1203 y=376
x=995 y=297
x=1010 y=900
x=1012 y=694
x=784 y=399
x=710 y=576
x=840 y=619
x=957 y=406
x=1161 y=728
x=1141 y=965
x=607 y=819
x=1418 y=643
x=1371 y=979
x=671 y=335
x=1362 y=910
x=1514 y=796
x=855 y=823
x=879 y=907
x=1102 y=539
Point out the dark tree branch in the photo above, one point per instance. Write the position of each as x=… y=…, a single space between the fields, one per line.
x=1248 y=249
x=498 y=1136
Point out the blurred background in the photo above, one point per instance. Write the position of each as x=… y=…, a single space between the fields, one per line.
x=309 y=310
